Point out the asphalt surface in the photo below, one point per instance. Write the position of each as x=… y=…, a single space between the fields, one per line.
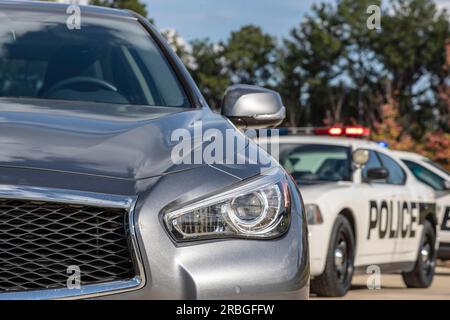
x=393 y=288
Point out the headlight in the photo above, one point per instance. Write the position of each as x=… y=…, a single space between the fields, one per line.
x=259 y=208
x=313 y=214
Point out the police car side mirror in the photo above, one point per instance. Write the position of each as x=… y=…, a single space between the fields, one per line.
x=446 y=185
x=377 y=174
x=253 y=107
x=360 y=157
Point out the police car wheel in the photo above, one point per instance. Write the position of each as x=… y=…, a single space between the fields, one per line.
x=337 y=277
x=423 y=273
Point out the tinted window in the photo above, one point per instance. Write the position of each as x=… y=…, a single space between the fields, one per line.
x=316 y=162
x=112 y=60
x=426 y=176
x=396 y=174
x=374 y=162
x=437 y=166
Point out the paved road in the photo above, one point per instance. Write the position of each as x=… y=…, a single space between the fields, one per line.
x=392 y=288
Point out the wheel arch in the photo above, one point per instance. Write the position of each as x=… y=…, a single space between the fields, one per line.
x=350 y=216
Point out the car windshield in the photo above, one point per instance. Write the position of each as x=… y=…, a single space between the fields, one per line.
x=109 y=60
x=316 y=162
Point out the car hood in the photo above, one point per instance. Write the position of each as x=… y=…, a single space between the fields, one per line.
x=120 y=141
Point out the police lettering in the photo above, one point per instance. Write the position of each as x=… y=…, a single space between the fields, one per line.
x=446 y=222
x=390 y=220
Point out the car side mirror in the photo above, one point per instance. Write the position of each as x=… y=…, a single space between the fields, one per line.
x=377 y=174
x=446 y=185
x=360 y=157
x=253 y=107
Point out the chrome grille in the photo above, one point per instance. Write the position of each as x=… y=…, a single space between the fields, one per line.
x=39 y=241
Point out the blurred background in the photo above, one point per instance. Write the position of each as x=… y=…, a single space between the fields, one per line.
x=327 y=64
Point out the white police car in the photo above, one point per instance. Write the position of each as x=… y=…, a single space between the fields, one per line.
x=364 y=208
x=437 y=178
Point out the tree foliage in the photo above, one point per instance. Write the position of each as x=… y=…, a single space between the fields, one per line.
x=209 y=70
x=250 y=55
x=394 y=80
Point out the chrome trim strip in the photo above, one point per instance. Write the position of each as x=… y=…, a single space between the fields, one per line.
x=89 y=199
x=66 y=196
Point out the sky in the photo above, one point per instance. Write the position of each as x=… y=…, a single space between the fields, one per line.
x=215 y=19
x=444 y=4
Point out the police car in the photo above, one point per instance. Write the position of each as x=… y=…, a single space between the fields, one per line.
x=437 y=178
x=364 y=208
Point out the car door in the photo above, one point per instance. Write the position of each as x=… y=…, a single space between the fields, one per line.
x=406 y=205
x=375 y=198
x=438 y=183
x=443 y=204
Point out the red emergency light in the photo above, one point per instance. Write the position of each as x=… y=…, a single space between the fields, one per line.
x=357 y=131
x=335 y=131
x=349 y=131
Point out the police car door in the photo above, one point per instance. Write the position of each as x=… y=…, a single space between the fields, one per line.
x=436 y=182
x=404 y=216
x=377 y=239
x=443 y=207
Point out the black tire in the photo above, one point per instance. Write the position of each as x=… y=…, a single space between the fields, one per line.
x=336 y=280
x=423 y=273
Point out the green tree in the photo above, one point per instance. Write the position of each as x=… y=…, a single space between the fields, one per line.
x=360 y=65
x=179 y=45
x=250 y=55
x=205 y=62
x=209 y=70
x=337 y=70
x=411 y=46
x=309 y=63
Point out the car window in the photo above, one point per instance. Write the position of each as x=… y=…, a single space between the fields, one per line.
x=316 y=162
x=396 y=174
x=374 y=162
x=426 y=176
x=437 y=166
x=109 y=60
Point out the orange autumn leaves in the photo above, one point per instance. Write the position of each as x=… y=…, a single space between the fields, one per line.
x=433 y=144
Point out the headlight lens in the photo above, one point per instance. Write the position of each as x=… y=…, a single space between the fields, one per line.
x=259 y=208
x=313 y=214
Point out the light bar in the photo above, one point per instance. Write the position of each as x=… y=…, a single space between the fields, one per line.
x=333 y=131
x=357 y=131
x=336 y=131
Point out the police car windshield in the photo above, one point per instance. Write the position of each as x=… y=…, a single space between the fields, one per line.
x=103 y=59
x=310 y=162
